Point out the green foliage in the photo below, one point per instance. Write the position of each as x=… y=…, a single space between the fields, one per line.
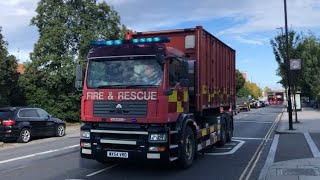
x=250 y=88
x=279 y=49
x=306 y=48
x=310 y=56
x=8 y=76
x=245 y=91
x=239 y=80
x=66 y=28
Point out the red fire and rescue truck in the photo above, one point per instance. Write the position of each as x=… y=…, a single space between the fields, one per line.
x=162 y=95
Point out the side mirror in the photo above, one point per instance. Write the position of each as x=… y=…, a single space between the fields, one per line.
x=167 y=92
x=78 y=83
x=79 y=73
x=160 y=55
x=184 y=82
x=48 y=117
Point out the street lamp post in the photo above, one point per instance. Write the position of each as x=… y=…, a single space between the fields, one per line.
x=288 y=67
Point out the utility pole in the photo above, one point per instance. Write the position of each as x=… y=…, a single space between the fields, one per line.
x=288 y=67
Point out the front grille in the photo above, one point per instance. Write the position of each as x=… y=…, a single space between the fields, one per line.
x=103 y=108
x=141 y=140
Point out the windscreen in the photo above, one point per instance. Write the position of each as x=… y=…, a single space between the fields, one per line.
x=107 y=73
x=5 y=114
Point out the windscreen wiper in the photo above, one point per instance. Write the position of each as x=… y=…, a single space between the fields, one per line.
x=111 y=86
x=140 y=85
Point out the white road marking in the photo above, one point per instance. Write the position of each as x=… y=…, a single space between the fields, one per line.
x=97 y=172
x=247 y=138
x=253 y=161
x=273 y=149
x=222 y=147
x=313 y=147
x=270 y=158
x=263 y=122
x=230 y=152
x=37 y=154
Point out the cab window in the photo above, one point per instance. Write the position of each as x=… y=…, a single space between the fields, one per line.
x=175 y=71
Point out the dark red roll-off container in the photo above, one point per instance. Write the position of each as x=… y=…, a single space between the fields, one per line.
x=214 y=64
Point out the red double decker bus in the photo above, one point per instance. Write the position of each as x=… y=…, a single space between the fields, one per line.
x=276 y=97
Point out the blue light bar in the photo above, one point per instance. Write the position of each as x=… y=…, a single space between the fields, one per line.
x=109 y=43
x=156 y=39
x=133 y=41
x=117 y=42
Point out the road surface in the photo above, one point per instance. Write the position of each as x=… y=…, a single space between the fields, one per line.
x=58 y=158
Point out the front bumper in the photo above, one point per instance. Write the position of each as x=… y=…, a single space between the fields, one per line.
x=133 y=142
x=98 y=153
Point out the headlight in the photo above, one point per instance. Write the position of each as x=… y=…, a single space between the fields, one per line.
x=84 y=135
x=158 y=137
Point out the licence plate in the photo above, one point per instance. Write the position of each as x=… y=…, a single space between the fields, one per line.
x=117 y=154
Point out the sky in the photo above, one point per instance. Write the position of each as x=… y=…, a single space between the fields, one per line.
x=245 y=25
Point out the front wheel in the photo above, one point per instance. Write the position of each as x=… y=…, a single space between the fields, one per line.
x=187 y=148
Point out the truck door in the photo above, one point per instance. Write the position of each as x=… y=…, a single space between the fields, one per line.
x=178 y=101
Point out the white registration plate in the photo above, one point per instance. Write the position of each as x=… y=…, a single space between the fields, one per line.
x=117 y=154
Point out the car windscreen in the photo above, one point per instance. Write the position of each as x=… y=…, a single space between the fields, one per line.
x=108 y=73
x=5 y=114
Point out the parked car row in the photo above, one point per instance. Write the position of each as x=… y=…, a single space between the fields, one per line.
x=259 y=103
x=246 y=105
x=23 y=123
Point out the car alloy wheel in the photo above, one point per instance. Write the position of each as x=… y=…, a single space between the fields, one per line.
x=60 y=130
x=24 y=136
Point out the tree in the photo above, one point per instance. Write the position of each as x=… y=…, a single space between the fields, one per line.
x=66 y=28
x=279 y=49
x=239 y=80
x=255 y=90
x=8 y=74
x=311 y=64
x=245 y=91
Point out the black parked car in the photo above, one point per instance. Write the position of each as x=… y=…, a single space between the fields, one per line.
x=22 y=123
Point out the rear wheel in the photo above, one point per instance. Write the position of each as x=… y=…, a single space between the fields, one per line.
x=24 y=135
x=60 y=130
x=188 y=148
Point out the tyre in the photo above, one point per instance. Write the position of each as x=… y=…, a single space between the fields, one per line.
x=60 y=130
x=24 y=135
x=188 y=148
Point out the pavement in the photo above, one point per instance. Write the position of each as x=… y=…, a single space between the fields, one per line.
x=297 y=169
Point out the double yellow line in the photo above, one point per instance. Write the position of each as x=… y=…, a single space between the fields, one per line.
x=255 y=158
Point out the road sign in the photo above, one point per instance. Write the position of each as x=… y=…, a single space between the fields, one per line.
x=295 y=64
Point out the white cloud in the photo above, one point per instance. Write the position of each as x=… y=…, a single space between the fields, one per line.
x=16 y=13
x=249 y=15
x=254 y=41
